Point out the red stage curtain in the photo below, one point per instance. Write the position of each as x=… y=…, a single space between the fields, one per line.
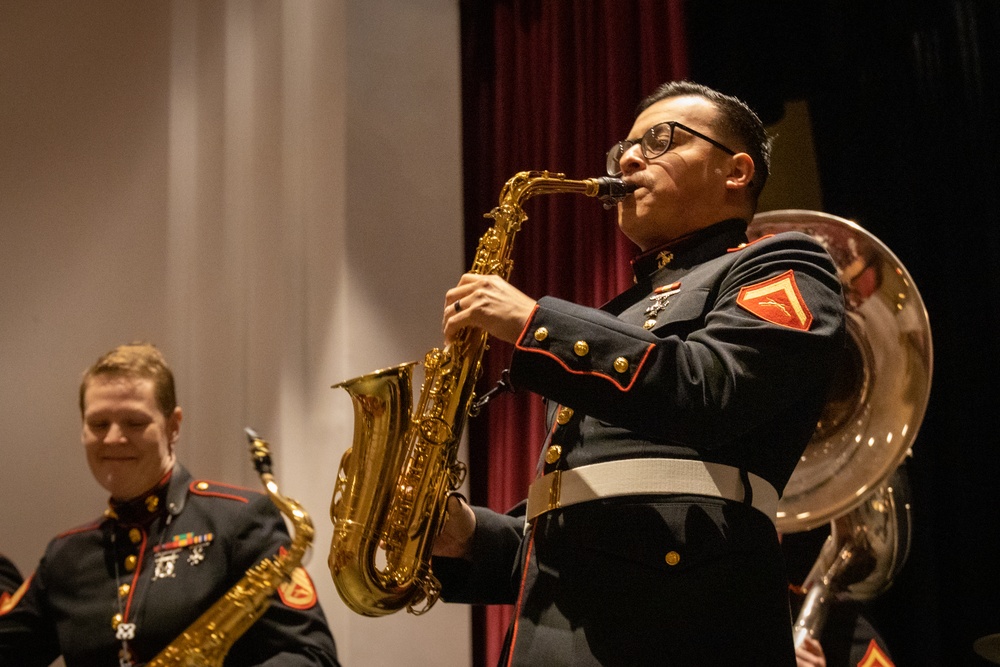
x=549 y=85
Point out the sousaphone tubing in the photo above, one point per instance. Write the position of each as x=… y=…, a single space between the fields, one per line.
x=851 y=474
x=882 y=385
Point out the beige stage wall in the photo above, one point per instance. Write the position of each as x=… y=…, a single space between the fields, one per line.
x=271 y=192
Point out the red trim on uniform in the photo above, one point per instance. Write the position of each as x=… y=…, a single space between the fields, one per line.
x=135 y=577
x=79 y=529
x=527 y=324
x=749 y=243
x=555 y=424
x=215 y=494
x=520 y=596
x=166 y=478
x=610 y=379
x=8 y=601
x=777 y=300
x=875 y=657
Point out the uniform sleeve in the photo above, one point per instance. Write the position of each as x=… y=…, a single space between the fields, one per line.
x=492 y=575
x=10 y=577
x=293 y=632
x=27 y=634
x=737 y=352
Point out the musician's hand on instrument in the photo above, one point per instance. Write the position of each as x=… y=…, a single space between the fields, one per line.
x=487 y=302
x=810 y=654
x=455 y=539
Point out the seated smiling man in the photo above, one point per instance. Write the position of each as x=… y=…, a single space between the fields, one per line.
x=117 y=590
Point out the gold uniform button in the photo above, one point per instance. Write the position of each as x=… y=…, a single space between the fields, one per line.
x=123 y=590
x=130 y=562
x=541 y=333
x=621 y=364
x=672 y=558
x=135 y=535
x=581 y=348
x=552 y=454
x=116 y=621
x=564 y=415
x=201 y=486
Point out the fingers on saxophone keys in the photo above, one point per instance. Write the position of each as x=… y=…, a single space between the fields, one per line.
x=452 y=310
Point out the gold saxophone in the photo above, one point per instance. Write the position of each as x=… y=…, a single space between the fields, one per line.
x=394 y=481
x=206 y=642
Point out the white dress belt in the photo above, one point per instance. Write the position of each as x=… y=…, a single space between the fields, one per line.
x=633 y=477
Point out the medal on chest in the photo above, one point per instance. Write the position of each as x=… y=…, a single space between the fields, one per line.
x=166 y=555
x=660 y=298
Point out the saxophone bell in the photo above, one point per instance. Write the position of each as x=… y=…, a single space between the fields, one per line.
x=389 y=502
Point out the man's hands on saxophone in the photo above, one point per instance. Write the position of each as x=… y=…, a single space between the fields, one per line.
x=490 y=303
x=455 y=538
x=487 y=302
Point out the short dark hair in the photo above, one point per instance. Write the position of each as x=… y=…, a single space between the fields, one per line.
x=136 y=360
x=736 y=119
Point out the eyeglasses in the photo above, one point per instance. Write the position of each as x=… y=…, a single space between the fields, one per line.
x=654 y=143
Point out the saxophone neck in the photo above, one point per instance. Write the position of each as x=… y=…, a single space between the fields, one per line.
x=526 y=184
x=292 y=510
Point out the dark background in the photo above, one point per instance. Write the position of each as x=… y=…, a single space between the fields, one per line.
x=904 y=102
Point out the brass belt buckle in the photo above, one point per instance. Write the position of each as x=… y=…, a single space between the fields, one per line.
x=555 y=486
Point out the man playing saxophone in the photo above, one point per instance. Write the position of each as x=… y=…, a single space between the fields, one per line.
x=677 y=413
x=119 y=589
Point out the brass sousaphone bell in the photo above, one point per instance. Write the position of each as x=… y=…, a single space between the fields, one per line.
x=850 y=475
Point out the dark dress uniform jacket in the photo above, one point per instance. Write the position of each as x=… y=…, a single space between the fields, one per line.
x=732 y=369
x=176 y=551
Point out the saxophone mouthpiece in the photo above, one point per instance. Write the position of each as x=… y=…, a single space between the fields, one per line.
x=260 y=452
x=611 y=190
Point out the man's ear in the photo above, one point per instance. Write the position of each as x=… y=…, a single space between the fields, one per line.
x=174 y=424
x=741 y=171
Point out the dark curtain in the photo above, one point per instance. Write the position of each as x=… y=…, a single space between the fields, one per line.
x=549 y=86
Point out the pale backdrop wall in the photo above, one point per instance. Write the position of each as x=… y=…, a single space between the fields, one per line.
x=271 y=192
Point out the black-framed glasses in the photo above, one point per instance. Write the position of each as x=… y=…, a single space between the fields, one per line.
x=654 y=143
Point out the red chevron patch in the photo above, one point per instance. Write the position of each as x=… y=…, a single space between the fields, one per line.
x=298 y=592
x=778 y=301
x=874 y=657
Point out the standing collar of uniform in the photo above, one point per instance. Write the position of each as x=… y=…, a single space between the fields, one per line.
x=167 y=496
x=692 y=248
x=177 y=493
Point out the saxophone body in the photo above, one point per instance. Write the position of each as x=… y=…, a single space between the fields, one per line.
x=394 y=481
x=206 y=642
